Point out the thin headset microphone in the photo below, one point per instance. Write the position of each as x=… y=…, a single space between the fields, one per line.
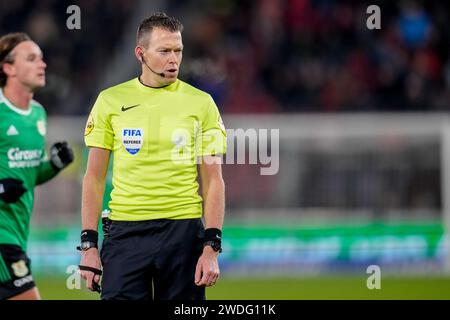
x=159 y=74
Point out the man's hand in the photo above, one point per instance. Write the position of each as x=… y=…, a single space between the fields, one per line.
x=61 y=155
x=90 y=258
x=11 y=189
x=207 y=270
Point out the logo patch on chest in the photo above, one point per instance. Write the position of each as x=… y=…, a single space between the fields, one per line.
x=132 y=139
x=41 y=127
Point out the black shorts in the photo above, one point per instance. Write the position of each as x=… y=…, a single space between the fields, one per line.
x=15 y=272
x=152 y=260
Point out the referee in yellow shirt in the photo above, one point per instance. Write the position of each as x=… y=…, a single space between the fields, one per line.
x=156 y=127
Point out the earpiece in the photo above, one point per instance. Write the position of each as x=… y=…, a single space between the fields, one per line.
x=161 y=74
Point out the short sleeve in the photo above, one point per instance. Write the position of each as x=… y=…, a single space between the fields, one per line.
x=211 y=136
x=98 y=131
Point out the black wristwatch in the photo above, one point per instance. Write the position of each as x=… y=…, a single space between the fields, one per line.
x=216 y=245
x=86 y=245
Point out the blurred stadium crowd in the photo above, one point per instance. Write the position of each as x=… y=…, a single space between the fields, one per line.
x=75 y=59
x=257 y=56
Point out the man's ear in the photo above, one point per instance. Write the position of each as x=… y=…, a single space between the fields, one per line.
x=8 y=69
x=139 y=54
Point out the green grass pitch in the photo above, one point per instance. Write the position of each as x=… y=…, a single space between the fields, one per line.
x=330 y=287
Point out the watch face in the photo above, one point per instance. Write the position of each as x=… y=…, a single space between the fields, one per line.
x=86 y=245
x=214 y=244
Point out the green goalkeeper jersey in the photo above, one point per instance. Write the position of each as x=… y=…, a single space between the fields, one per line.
x=22 y=156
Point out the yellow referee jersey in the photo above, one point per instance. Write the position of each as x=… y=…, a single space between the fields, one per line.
x=155 y=135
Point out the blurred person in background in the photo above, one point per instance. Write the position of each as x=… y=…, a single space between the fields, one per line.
x=155 y=126
x=24 y=163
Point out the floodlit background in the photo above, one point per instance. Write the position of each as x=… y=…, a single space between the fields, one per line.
x=364 y=137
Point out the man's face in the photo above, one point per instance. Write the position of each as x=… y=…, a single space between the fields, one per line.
x=28 y=67
x=164 y=53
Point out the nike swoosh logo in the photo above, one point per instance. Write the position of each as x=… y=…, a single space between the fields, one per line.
x=128 y=108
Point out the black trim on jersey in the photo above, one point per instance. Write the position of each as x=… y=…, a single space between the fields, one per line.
x=146 y=85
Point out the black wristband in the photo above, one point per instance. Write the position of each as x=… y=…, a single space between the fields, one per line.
x=88 y=235
x=213 y=234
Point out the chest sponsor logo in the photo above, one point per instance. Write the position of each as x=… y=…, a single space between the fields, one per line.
x=24 y=158
x=132 y=139
x=41 y=127
x=12 y=131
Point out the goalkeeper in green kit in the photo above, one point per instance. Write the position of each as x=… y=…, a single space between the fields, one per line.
x=24 y=162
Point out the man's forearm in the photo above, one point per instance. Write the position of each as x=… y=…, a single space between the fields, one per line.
x=46 y=172
x=91 y=205
x=214 y=197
